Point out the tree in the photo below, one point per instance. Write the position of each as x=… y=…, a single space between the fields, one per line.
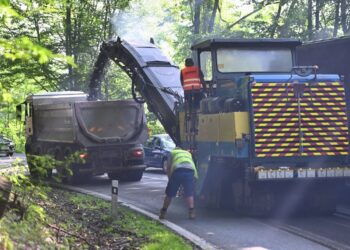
x=47 y=45
x=336 y=17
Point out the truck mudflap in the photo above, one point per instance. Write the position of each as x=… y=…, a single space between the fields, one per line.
x=110 y=121
x=153 y=75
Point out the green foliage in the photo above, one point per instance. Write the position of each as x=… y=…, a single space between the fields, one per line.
x=88 y=202
x=154 y=126
x=41 y=50
x=116 y=84
x=5 y=241
x=22 y=223
x=25 y=223
x=35 y=213
x=41 y=166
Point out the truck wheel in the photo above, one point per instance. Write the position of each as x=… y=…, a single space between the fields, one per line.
x=113 y=176
x=135 y=175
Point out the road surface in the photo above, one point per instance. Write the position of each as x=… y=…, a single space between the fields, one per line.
x=228 y=230
x=225 y=229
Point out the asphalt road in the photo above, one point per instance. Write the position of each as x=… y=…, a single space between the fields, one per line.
x=227 y=230
x=224 y=228
x=6 y=161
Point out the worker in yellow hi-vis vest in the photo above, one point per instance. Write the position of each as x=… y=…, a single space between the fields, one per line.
x=181 y=170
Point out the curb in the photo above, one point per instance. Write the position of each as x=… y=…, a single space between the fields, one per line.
x=195 y=239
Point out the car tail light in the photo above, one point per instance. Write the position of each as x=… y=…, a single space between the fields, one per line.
x=137 y=152
x=83 y=155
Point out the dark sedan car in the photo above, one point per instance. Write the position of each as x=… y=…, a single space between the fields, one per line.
x=157 y=149
x=7 y=147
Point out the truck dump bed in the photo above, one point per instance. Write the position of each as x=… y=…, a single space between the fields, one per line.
x=99 y=122
x=111 y=121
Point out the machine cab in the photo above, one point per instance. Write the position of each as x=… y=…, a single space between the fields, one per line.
x=229 y=64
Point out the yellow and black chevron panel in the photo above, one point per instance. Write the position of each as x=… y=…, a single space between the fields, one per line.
x=321 y=131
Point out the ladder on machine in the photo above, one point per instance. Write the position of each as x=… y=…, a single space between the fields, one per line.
x=191 y=125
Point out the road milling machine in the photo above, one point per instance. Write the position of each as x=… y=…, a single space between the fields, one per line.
x=270 y=135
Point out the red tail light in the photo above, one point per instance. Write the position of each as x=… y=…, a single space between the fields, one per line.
x=138 y=152
x=83 y=155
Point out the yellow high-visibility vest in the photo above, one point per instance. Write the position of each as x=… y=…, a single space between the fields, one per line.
x=180 y=156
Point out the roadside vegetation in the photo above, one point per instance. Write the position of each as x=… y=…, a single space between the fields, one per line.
x=41 y=217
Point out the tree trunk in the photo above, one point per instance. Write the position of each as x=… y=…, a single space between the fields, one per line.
x=37 y=29
x=258 y=8
x=68 y=24
x=197 y=16
x=309 y=19
x=213 y=16
x=285 y=27
x=205 y=19
x=317 y=15
x=106 y=28
x=343 y=16
x=336 y=18
x=276 y=19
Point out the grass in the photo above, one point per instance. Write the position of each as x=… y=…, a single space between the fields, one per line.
x=159 y=237
x=156 y=232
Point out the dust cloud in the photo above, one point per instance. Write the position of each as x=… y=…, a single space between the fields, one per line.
x=136 y=23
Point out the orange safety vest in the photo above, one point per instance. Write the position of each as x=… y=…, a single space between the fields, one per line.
x=191 y=78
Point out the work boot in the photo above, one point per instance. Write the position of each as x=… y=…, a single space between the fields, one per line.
x=162 y=214
x=191 y=214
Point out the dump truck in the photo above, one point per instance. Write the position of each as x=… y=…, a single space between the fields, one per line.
x=269 y=136
x=107 y=135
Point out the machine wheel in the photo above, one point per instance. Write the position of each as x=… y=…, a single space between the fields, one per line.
x=10 y=154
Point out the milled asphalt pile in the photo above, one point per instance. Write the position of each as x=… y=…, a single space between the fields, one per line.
x=195 y=239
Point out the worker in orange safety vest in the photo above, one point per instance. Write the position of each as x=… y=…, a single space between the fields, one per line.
x=192 y=83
